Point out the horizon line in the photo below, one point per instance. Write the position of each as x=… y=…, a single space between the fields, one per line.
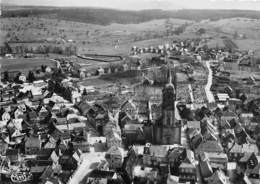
x=123 y=9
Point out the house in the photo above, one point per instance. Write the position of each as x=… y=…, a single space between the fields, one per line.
x=115 y=156
x=22 y=107
x=216 y=160
x=43 y=112
x=187 y=172
x=16 y=124
x=12 y=155
x=187 y=169
x=44 y=155
x=145 y=175
x=193 y=125
x=100 y=71
x=77 y=155
x=32 y=115
x=155 y=155
x=254 y=174
x=171 y=179
x=75 y=97
x=6 y=116
x=83 y=146
x=129 y=108
x=195 y=138
x=47 y=174
x=22 y=78
x=248 y=161
x=67 y=161
x=218 y=178
x=102 y=177
x=18 y=113
x=206 y=169
x=82 y=74
x=55 y=108
x=210 y=147
x=228 y=116
x=238 y=151
x=48 y=69
x=71 y=126
x=3 y=147
x=134 y=133
x=32 y=145
x=50 y=143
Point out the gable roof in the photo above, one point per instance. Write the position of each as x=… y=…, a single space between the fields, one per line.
x=101 y=174
x=33 y=142
x=193 y=124
x=210 y=146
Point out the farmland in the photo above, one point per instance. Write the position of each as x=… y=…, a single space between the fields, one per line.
x=25 y=64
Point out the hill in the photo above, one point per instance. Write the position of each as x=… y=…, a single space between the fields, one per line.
x=109 y=16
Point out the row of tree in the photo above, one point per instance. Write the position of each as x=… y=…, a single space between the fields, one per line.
x=54 y=85
x=44 y=49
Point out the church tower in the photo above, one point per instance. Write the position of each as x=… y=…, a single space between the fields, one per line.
x=168 y=129
x=168 y=103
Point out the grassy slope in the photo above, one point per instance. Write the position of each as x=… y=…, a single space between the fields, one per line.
x=108 y=16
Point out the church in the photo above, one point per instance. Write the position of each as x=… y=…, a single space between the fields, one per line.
x=166 y=130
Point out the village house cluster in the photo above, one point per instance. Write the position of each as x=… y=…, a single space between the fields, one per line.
x=161 y=129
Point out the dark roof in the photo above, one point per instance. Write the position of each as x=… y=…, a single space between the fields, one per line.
x=47 y=173
x=45 y=152
x=11 y=152
x=101 y=174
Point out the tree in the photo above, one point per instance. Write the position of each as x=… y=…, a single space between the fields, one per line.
x=201 y=31
x=6 y=75
x=16 y=79
x=168 y=27
x=31 y=76
x=84 y=92
x=235 y=35
x=43 y=68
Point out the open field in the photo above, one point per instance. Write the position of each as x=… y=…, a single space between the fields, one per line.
x=25 y=64
x=249 y=44
x=118 y=38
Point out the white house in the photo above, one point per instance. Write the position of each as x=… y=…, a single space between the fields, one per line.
x=43 y=112
x=6 y=116
x=55 y=108
x=82 y=74
x=75 y=97
x=48 y=69
x=18 y=113
x=22 y=77
x=101 y=71
x=22 y=107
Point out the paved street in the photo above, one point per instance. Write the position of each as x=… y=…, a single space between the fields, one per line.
x=209 y=94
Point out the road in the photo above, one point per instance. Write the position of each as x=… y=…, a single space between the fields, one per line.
x=191 y=97
x=81 y=172
x=87 y=160
x=209 y=94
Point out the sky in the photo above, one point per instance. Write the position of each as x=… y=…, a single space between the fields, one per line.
x=145 y=4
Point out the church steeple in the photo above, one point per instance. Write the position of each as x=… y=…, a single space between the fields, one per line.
x=169 y=94
x=170 y=84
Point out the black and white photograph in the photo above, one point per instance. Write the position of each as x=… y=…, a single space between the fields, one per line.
x=129 y=91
